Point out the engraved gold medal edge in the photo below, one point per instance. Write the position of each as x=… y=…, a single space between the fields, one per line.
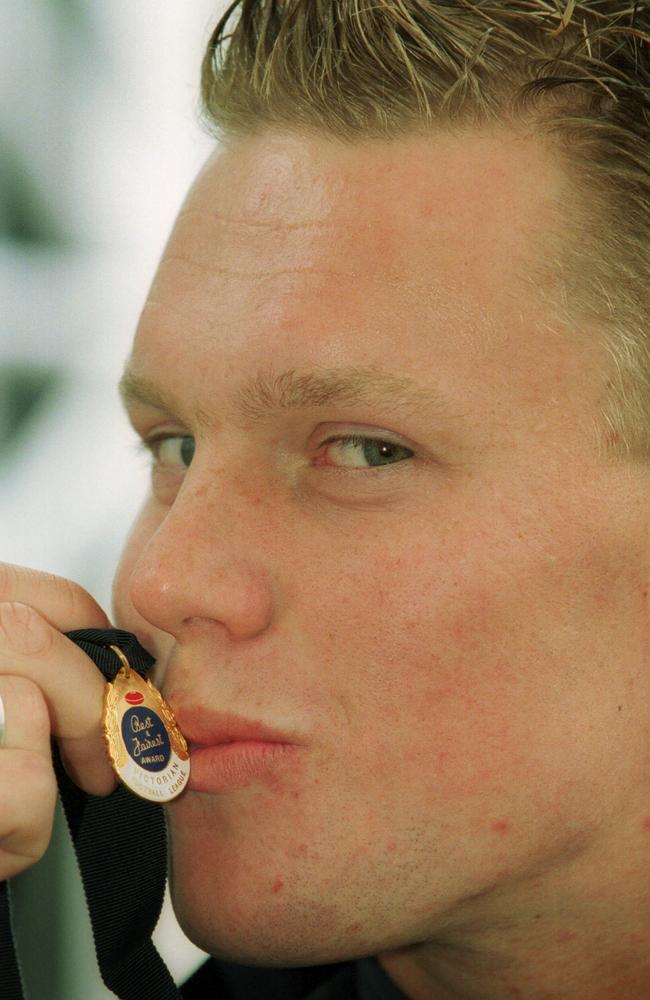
x=117 y=752
x=159 y=800
x=136 y=787
x=112 y=736
x=176 y=738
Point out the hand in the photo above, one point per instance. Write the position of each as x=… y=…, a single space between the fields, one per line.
x=49 y=687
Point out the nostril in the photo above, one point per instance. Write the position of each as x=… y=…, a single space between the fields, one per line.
x=215 y=591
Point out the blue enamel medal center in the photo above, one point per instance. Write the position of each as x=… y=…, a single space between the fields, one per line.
x=145 y=738
x=145 y=746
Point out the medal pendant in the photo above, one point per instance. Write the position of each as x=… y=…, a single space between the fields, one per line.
x=146 y=748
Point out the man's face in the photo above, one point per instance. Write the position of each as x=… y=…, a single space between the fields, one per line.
x=395 y=543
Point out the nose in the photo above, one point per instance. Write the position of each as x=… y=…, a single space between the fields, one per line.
x=203 y=564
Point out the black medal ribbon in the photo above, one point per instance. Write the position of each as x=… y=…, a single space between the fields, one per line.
x=120 y=843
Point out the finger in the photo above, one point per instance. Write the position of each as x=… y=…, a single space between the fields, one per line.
x=27 y=800
x=27 y=782
x=63 y=603
x=72 y=687
x=27 y=720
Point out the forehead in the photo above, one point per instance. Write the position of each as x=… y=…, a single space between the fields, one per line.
x=436 y=229
x=447 y=209
x=294 y=251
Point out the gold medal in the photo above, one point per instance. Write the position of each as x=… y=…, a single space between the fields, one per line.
x=146 y=748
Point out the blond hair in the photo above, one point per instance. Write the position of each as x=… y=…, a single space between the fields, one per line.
x=576 y=74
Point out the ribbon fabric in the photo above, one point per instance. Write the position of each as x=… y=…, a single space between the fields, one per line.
x=120 y=844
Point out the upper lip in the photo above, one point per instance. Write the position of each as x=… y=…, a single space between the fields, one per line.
x=204 y=727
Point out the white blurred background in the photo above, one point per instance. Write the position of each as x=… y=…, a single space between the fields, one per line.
x=99 y=140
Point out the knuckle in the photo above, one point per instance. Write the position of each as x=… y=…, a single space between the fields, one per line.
x=28 y=811
x=13 y=578
x=41 y=842
x=27 y=699
x=7 y=577
x=73 y=595
x=75 y=602
x=72 y=601
x=33 y=771
x=25 y=631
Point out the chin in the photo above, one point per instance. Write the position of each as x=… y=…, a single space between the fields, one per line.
x=256 y=895
x=257 y=943
x=243 y=926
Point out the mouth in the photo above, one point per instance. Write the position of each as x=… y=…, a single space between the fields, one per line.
x=225 y=767
x=228 y=752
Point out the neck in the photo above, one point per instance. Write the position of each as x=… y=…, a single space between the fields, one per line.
x=579 y=930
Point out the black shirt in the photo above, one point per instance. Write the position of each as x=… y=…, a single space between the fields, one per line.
x=360 y=980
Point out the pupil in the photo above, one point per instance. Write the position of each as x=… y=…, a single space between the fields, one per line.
x=379 y=452
x=187 y=450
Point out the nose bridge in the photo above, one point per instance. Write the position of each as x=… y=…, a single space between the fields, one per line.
x=204 y=562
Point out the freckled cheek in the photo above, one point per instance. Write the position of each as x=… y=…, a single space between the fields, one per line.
x=459 y=748
x=426 y=685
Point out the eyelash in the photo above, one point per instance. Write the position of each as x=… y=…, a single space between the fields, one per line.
x=359 y=440
x=148 y=446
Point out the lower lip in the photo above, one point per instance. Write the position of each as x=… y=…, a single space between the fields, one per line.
x=225 y=767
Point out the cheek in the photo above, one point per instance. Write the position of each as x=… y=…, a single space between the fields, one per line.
x=448 y=669
x=423 y=663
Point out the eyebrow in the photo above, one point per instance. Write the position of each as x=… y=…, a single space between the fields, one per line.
x=267 y=394
x=135 y=388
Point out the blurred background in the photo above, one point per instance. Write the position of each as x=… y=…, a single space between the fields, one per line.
x=99 y=140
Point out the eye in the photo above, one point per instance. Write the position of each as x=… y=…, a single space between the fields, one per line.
x=356 y=452
x=172 y=450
